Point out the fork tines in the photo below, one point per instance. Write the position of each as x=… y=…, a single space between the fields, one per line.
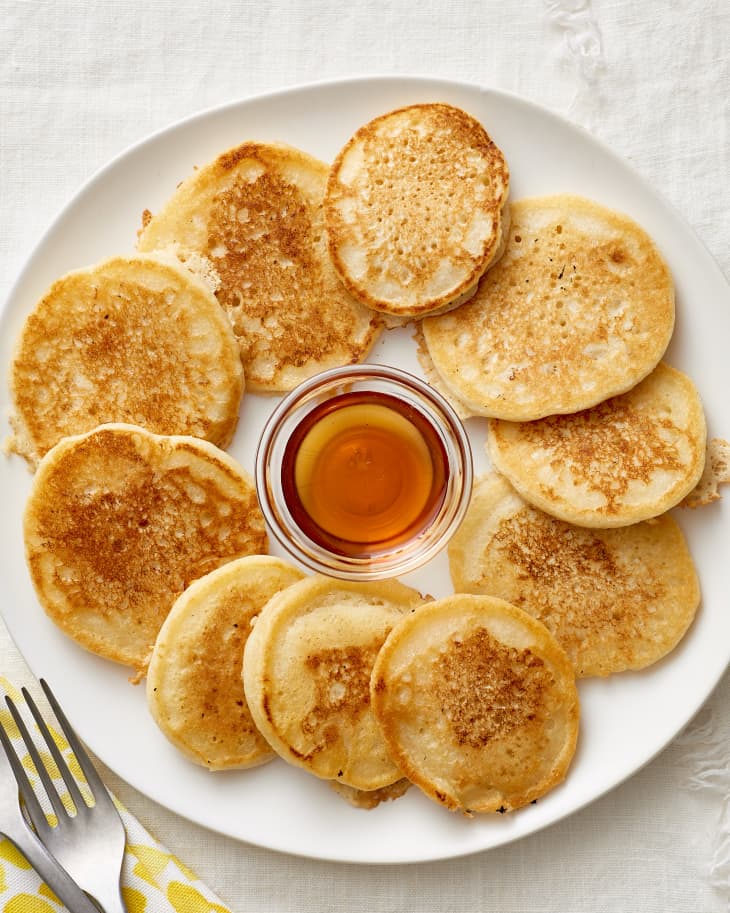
x=96 y=787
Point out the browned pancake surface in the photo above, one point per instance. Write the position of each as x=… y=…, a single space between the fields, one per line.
x=132 y=339
x=630 y=458
x=615 y=599
x=119 y=521
x=254 y=219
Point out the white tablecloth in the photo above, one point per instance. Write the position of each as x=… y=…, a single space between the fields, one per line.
x=80 y=82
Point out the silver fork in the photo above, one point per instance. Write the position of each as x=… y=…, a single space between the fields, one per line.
x=89 y=844
x=14 y=826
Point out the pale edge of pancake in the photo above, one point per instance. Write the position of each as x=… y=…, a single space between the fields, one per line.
x=285 y=609
x=191 y=603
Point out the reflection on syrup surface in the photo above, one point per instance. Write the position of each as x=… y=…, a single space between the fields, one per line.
x=363 y=473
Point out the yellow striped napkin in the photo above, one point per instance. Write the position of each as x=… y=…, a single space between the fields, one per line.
x=153 y=879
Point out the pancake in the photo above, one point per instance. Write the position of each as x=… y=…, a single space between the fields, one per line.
x=194 y=687
x=253 y=221
x=414 y=209
x=120 y=521
x=371 y=798
x=615 y=599
x=306 y=674
x=578 y=309
x=627 y=459
x=132 y=339
x=477 y=703
x=432 y=376
x=715 y=473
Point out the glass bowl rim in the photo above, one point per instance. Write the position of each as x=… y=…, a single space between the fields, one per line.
x=418 y=550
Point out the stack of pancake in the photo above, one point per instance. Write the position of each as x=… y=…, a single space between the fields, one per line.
x=547 y=319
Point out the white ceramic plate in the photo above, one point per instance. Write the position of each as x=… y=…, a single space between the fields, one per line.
x=626 y=719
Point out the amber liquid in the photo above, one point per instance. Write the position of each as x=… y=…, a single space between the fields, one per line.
x=364 y=473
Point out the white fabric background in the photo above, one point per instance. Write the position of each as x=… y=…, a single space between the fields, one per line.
x=80 y=82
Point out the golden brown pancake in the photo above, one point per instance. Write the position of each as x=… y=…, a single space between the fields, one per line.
x=414 y=209
x=120 y=521
x=132 y=339
x=194 y=686
x=253 y=221
x=627 y=459
x=477 y=703
x=615 y=599
x=579 y=308
x=306 y=674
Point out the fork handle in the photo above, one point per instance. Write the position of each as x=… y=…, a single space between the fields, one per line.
x=111 y=904
x=57 y=879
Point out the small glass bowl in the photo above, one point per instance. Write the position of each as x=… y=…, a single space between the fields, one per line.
x=294 y=408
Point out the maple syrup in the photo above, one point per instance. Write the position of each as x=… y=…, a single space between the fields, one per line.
x=363 y=473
